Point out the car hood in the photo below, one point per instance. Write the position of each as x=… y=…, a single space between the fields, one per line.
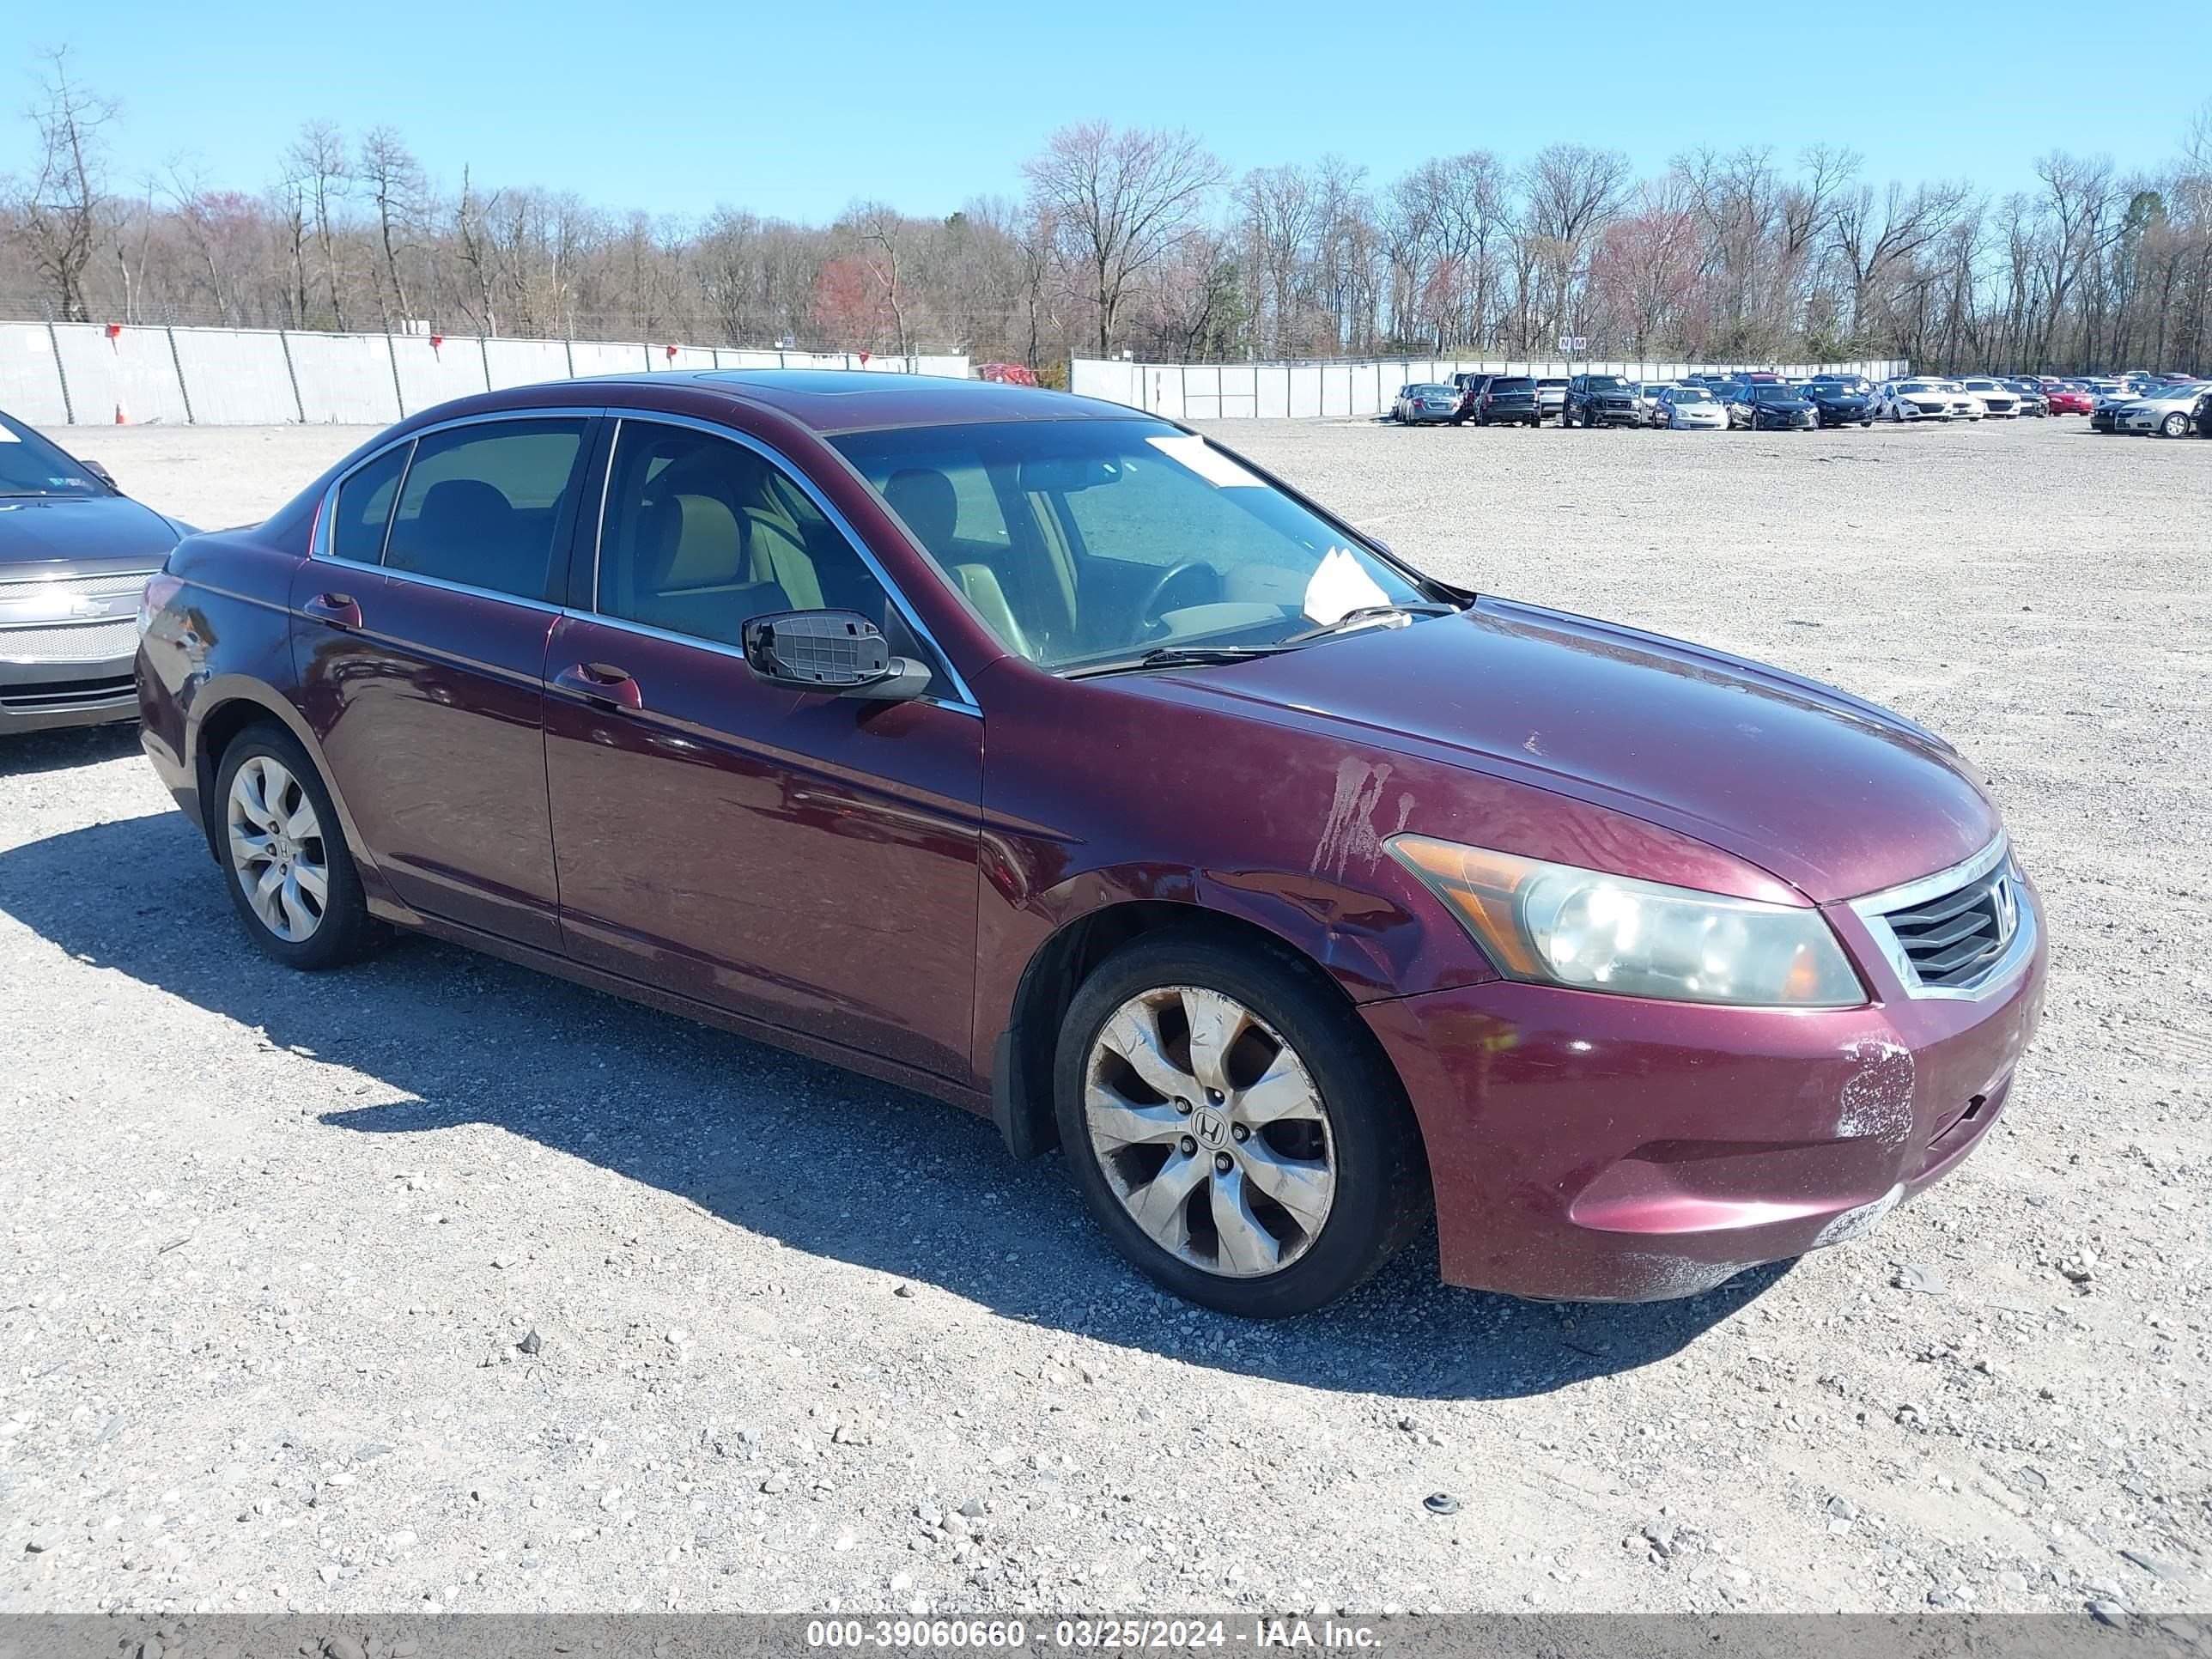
x=1834 y=795
x=44 y=535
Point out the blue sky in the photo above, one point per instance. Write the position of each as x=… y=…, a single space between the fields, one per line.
x=797 y=110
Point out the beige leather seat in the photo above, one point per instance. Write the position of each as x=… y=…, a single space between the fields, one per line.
x=693 y=574
x=925 y=500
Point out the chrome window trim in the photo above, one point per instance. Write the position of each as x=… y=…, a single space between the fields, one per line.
x=445 y=585
x=963 y=702
x=1875 y=909
x=325 y=519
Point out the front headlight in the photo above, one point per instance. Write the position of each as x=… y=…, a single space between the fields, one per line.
x=1558 y=925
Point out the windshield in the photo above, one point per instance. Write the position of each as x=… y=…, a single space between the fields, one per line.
x=1086 y=542
x=29 y=465
x=1689 y=394
x=1774 y=394
x=1604 y=382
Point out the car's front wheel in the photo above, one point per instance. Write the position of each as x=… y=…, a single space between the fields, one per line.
x=2175 y=425
x=1233 y=1128
x=284 y=855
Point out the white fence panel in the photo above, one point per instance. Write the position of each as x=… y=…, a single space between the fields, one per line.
x=523 y=362
x=1201 y=392
x=1118 y=383
x=681 y=357
x=344 y=378
x=131 y=375
x=1274 y=391
x=432 y=374
x=30 y=382
x=1305 y=392
x=1240 y=392
x=237 y=377
x=606 y=358
x=1166 y=391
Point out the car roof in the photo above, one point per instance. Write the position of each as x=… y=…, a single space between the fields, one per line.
x=829 y=400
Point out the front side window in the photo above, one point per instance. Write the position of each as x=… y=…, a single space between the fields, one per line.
x=700 y=535
x=1118 y=536
x=485 y=505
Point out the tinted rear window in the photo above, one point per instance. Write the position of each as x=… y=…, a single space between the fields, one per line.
x=1512 y=383
x=365 y=508
x=483 y=504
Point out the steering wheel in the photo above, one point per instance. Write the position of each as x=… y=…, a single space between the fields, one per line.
x=1150 y=607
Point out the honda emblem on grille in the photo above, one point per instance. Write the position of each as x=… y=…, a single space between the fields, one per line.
x=2006 y=903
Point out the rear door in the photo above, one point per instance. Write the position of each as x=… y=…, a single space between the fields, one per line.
x=420 y=633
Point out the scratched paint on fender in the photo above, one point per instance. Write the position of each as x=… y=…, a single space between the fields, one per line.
x=1351 y=832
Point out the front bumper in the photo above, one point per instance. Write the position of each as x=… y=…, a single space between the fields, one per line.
x=45 y=686
x=1587 y=1147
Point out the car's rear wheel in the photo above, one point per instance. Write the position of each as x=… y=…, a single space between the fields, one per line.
x=284 y=856
x=1234 y=1130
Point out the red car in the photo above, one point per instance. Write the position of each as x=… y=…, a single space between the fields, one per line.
x=1046 y=757
x=2069 y=397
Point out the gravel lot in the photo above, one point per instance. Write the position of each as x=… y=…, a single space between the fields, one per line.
x=434 y=1284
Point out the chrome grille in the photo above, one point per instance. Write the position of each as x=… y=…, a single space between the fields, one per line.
x=1953 y=941
x=88 y=642
x=91 y=587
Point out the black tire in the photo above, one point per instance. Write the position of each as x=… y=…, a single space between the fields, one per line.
x=346 y=931
x=1381 y=1196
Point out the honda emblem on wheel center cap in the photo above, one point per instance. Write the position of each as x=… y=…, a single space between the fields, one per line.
x=1211 y=1128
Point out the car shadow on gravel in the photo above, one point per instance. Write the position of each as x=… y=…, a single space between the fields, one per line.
x=819 y=1159
x=32 y=752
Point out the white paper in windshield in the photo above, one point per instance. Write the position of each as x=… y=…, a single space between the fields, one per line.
x=1339 y=587
x=1209 y=463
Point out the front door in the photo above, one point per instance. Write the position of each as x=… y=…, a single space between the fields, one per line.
x=421 y=630
x=803 y=860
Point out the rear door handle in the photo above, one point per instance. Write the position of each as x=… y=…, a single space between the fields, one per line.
x=338 y=610
x=602 y=682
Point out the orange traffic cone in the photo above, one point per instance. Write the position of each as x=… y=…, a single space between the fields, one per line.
x=121 y=417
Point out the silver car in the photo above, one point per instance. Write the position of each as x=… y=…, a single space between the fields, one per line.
x=1423 y=404
x=75 y=556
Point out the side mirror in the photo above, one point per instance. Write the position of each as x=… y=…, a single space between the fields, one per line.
x=100 y=473
x=841 y=652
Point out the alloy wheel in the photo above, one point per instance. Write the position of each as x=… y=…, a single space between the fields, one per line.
x=278 y=854
x=1210 y=1131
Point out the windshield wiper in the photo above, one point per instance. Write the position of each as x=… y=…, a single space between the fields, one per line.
x=1177 y=656
x=1361 y=616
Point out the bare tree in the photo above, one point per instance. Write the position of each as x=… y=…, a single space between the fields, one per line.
x=59 y=204
x=1571 y=192
x=316 y=167
x=1122 y=200
x=388 y=171
x=882 y=237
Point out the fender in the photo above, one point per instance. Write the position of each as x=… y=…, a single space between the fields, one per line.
x=220 y=697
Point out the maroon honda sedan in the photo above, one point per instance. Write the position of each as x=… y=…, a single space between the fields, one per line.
x=1046 y=757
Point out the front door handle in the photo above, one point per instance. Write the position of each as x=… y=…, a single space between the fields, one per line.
x=338 y=610
x=602 y=682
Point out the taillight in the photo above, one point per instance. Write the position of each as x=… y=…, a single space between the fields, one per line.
x=159 y=592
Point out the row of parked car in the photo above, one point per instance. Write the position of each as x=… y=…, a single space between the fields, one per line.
x=2171 y=405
